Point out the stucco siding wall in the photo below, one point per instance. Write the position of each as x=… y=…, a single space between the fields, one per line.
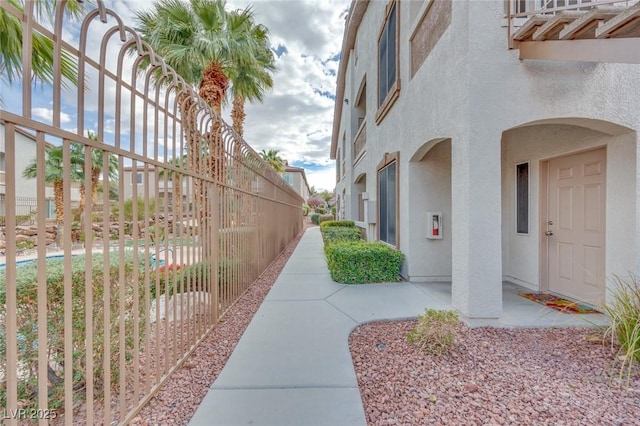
x=430 y=259
x=25 y=149
x=473 y=90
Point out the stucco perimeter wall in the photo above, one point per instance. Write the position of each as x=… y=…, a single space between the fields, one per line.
x=521 y=253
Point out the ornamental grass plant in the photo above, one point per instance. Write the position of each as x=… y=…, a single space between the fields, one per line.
x=436 y=331
x=624 y=330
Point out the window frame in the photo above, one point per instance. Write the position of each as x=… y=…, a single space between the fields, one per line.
x=388 y=160
x=517 y=198
x=384 y=105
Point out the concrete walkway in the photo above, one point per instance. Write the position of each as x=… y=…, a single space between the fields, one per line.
x=292 y=365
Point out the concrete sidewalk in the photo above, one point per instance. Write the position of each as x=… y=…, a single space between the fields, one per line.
x=293 y=366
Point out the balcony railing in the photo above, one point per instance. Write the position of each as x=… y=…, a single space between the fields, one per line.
x=519 y=10
x=135 y=284
x=359 y=141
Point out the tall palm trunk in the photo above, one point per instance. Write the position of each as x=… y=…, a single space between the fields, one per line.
x=83 y=199
x=238 y=115
x=213 y=88
x=177 y=194
x=58 y=188
x=95 y=175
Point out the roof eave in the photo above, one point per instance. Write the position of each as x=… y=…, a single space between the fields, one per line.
x=354 y=18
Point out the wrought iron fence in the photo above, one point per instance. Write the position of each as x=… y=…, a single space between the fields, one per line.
x=88 y=335
x=25 y=210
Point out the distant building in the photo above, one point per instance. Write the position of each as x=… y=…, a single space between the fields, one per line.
x=164 y=189
x=25 y=153
x=296 y=177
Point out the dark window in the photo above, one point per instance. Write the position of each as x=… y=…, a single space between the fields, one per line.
x=387 y=203
x=387 y=57
x=522 y=198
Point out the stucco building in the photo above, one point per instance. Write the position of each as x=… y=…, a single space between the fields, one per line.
x=297 y=178
x=485 y=164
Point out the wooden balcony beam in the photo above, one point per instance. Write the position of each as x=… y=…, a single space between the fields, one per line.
x=620 y=50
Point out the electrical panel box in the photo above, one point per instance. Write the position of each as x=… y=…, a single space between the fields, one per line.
x=371 y=212
x=434 y=225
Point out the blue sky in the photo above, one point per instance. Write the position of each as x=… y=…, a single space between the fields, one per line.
x=296 y=117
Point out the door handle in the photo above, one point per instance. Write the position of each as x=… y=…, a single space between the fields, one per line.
x=548 y=233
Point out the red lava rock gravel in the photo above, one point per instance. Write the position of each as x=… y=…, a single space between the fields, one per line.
x=492 y=377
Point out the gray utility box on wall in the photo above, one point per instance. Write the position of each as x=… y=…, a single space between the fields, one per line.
x=371 y=212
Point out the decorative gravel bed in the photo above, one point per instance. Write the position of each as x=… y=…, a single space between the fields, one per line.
x=492 y=377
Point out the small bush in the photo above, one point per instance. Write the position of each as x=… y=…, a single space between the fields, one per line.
x=334 y=234
x=624 y=329
x=325 y=218
x=315 y=217
x=340 y=223
x=360 y=262
x=320 y=210
x=436 y=331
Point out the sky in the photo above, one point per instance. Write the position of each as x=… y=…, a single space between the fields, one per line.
x=297 y=115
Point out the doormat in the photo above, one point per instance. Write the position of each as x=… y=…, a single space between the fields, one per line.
x=559 y=304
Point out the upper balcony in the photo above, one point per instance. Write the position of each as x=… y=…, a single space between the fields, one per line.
x=575 y=30
x=359 y=142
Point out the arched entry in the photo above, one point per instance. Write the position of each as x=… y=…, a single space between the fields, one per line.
x=429 y=259
x=566 y=184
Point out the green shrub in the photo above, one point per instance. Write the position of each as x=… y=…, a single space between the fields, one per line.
x=320 y=210
x=360 y=262
x=27 y=323
x=128 y=209
x=624 y=329
x=335 y=234
x=315 y=218
x=305 y=210
x=333 y=210
x=324 y=218
x=436 y=331
x=340 y=223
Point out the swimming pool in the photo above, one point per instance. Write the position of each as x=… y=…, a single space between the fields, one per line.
x=61 y=256
x=29 y=261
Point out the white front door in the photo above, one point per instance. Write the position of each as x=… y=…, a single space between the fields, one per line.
x=576 y=225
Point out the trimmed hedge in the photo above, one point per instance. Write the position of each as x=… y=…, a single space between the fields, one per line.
x=338 y=223
x=325 y=218
x=361 y=262
x=334 y=234
x=315 y=218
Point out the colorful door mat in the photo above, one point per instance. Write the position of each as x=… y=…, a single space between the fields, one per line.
x=559 y=304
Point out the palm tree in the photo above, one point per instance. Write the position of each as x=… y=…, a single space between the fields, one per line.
x=11 y=39
x=54 y=174
x=205 y=44
x=96 y=169
x=251 y=80
x=273 y=159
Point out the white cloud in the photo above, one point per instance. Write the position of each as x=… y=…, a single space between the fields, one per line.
x=296 y=117
x=47 y=115
x=322 y=178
